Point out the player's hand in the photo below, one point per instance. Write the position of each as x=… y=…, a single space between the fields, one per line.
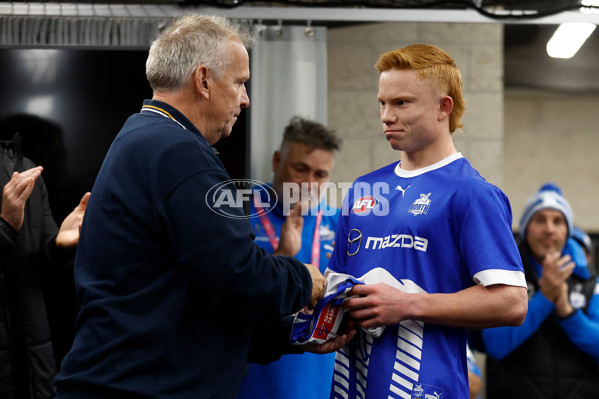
x=376 y=305
x=15 y=195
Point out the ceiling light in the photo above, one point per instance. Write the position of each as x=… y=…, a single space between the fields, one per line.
x=568 y=38
x=589 y=3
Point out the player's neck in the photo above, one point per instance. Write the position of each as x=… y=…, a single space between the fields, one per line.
x=418 y=159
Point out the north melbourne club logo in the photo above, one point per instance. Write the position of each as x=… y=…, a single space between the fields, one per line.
x=421 y=205
x=423 y=391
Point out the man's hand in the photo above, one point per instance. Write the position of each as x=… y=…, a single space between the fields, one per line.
x=563 y=307
x=15 y=195
x=68 y=235
x=336 y=343
x=556 y=269
x=317 y=285
x=290 y=240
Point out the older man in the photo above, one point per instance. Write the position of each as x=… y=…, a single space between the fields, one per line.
x=168 y=289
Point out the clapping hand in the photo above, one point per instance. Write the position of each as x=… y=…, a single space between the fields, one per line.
x=68 y=235
x=15 y=195
x=290 y=240
x=556 y=269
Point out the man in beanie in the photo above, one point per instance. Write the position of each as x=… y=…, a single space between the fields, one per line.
x=555 y=352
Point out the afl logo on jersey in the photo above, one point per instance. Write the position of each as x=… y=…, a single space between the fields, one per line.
x=364 y=205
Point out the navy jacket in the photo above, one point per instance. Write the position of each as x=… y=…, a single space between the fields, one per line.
x=168 y=289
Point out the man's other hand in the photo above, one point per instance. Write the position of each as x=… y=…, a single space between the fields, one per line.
x=317 y=285
x=334 y=344
x=68 y=235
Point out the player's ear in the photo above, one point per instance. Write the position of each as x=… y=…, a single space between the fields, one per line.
x=445 y=107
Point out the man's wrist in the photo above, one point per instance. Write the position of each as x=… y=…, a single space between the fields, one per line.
x=9 y=229
x=567 y=314
x=59 y=254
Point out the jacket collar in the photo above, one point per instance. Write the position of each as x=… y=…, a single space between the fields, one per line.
x=170 y=112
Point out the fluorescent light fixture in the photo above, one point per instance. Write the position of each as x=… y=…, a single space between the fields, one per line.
x=589 y=3
x=568 y=38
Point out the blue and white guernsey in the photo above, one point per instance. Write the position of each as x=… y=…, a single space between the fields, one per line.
x=439 y=229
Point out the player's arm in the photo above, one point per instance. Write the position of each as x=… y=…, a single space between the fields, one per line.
x=474 y=307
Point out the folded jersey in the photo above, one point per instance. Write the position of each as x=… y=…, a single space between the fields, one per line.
x=323 y=323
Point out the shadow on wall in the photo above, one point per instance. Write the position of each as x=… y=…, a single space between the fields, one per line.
x=43 y=143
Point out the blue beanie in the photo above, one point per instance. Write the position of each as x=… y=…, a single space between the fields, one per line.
x=549 y=196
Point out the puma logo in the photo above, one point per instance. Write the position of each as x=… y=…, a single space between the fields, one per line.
x=403 y=190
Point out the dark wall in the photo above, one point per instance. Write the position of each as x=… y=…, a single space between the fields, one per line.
x=69 y=104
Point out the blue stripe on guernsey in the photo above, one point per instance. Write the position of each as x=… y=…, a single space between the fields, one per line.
x=349 y=382
x=407 y=364
x=443 y=229
x=407 y=355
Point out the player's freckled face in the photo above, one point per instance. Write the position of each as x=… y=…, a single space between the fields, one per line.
x=409 y=110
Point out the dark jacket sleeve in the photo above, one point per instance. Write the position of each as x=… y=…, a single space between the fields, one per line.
x=218 y=250
x=8 y=239
x=271 y=340
x=57 y=255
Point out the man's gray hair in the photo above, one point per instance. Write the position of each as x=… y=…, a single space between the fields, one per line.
x=309 y=133
x=187 y=43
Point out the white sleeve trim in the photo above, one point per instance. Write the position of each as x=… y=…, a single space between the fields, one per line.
x=500 y=276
